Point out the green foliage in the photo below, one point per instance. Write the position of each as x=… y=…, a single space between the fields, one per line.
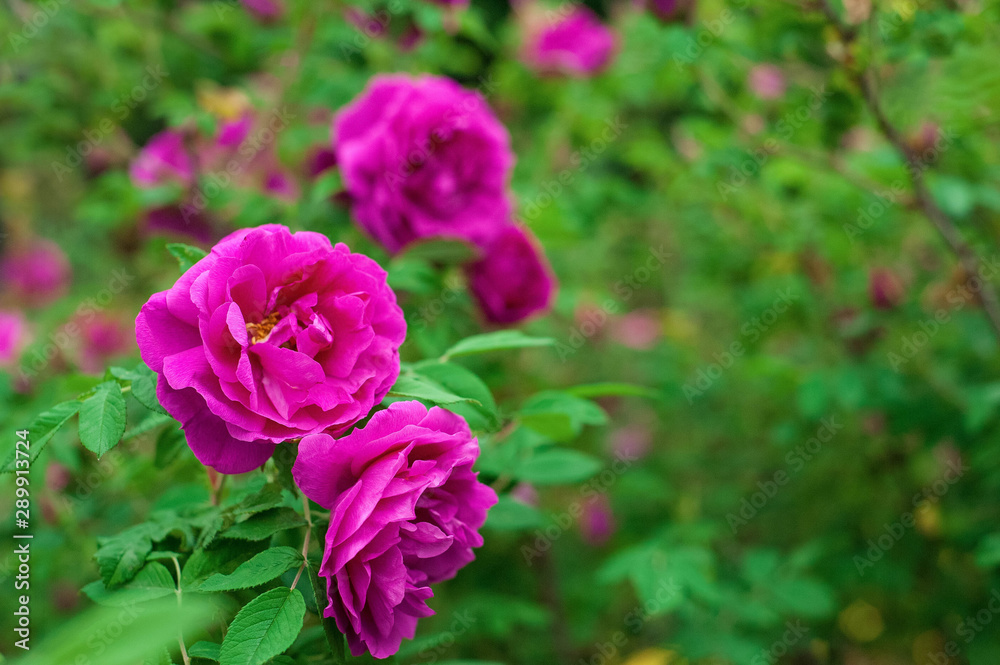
x=263 y=568
x=265 y=627
x=495 y=341
x=186 y=255
x=140 y=632
x=102 y=418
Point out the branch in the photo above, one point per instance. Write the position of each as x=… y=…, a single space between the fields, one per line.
x=915 y=167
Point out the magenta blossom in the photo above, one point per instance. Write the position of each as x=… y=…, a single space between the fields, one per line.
x=163 y=160
x=577 y=44
x=423 y=157
x=669 y=10
x=405 y=511
x=597 y=523
x=265 y=10
x=513 y=280
x=36 y=274
x=13 y=337
x=885 y=289
x=101 y=338
x=767 y=82
x=270 y=337
x=185 y=221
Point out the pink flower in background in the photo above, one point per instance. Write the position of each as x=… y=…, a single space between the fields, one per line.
x=405 y=512
x=270 y=337
x=577 y=44
x=265 y=10
x=14 y=337
x=423 y=157
x=231 y=134
x=525 y=493
x=320 y=161
x=281 y=185
x=638 y=330
x=597 y=523
x=631 y=442
x=513 y=280
x=767 y=82
x=669 y=10
x=180 y=220
x=163 y=160
x=103 y=338
x=35 y=274
x=885 y=289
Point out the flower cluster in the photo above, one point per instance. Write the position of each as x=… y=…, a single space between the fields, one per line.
x=425 y=158
x=275 y=336
x=241 y=152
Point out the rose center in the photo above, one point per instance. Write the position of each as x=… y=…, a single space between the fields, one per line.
x=259 y=331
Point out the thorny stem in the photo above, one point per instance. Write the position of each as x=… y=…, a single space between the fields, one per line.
x=945 y=226
x=180 y=634
x=305 y=543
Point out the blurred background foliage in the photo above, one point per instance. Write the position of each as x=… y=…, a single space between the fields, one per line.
x=716 y=200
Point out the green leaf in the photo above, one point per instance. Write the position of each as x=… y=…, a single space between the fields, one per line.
x=120 y=559
x=437 y=250
x=169 y=444
x=480 y=414
x=334 y=638
x=186 y=255
x=557 y=466
x=264 y=628
x=559 y=415
x=144 y=389
x=42 y=429
x=418 y=387
x=153 y=581
x=802 y=596
x=206 y=650
x=263 y=498
x=612 y=389
x=147 y=424
x=988 y=551
x=512 y=515
x=264 y=525
x=102 y=418
x=263 y=568
x=140 y=632
x=495 y=341
x=224 y=558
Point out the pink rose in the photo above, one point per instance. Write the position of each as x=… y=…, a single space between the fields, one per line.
x=36 y=274
x=513 y=280
x=270 y=337
x=13 y=337
x=423 y=157
x=102 y=338
x=405 y=512
x=577 y=44
x=163 y=160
